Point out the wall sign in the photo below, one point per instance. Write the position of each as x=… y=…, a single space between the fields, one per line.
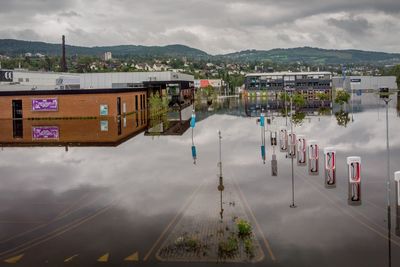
x=47 y=104
x=6 y=76
x=103 y=110
x=45 y=132
x=104 y=126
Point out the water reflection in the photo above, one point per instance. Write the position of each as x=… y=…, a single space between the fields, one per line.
x=51 y=177
x=342 y=118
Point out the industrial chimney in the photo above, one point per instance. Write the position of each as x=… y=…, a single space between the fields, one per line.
x=64 y=67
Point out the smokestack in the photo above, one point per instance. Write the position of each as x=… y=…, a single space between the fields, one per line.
x=64 y=67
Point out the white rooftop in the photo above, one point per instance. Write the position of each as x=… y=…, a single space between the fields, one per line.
x=287 y=73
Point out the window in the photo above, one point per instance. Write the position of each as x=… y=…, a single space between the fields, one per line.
x=136 y=103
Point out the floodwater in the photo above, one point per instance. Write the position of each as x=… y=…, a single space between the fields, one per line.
x=117 y=201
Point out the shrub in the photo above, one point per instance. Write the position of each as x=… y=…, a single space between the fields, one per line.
x=244 y=228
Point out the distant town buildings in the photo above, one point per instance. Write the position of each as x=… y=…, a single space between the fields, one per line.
x=107 y=56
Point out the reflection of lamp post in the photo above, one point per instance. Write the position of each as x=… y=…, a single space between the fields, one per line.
x=221 y=182
x=291 y=142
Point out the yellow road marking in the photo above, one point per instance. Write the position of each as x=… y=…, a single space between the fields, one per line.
x=14 y=259
x=104 y=258
x=71 y=258
x=191 y=197
x=133 y=257
x=265 y=240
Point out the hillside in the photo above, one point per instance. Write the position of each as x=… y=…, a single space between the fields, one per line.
x=16 y=47
x=308 y=55
x=314 y=55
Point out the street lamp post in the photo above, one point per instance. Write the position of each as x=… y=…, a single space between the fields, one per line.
x=389 y=223
x=292 y=205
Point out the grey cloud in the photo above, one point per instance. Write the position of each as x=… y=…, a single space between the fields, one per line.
x=69 y=14
x=354 y=26
x=214 y=26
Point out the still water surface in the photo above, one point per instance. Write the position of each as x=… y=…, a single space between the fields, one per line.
x=126 y=198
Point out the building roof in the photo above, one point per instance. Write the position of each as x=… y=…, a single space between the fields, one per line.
x=287 y=73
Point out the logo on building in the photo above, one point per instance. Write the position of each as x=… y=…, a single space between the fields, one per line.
x=6 y=76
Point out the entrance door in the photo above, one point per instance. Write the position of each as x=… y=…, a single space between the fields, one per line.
x=17 y=109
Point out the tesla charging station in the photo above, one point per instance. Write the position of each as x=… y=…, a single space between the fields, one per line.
x=330 y=167
x=313 y=157
x=301 y=150
x=354 y=172
x=283 y=139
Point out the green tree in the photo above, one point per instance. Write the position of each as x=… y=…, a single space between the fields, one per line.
x=342 y=97
x=322 y=97
x=298 y=100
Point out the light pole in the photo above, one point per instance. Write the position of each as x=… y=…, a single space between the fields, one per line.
x=387 y=100
x=292 y=205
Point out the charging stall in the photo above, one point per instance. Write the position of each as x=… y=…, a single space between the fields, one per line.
x=330 y=167
x=313 y=157
x=301 y=150
x=283 y=139
x=354 y=173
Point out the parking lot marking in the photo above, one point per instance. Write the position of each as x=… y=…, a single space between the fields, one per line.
x=133 y=257
x=71 y=258
x=104 y=258
x=14 y=259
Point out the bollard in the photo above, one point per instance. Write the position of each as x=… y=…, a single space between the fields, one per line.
x=262 y=119
x=274 y=166
x=301 y=150
x=263 y=152
x=194 y=154
x=313 y=157
x=292 y=145
x=397 y=180
x=330 y=167
x=273 y=136
x=354 y=172
x=193 y=120
x=283 y=139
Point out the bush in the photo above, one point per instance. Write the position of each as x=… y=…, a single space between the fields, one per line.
x=228 y=248
x=244 y=228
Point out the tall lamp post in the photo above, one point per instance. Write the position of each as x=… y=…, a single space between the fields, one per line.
x=289 y=90
x=384 y=94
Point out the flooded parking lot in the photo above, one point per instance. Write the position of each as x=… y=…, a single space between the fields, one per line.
x=119 y=194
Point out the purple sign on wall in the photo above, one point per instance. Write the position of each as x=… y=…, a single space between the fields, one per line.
x=45 y=132
x=48 y=104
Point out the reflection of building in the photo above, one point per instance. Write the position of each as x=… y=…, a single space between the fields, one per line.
x=175 y=123
x=91 y=132
x=309 y=84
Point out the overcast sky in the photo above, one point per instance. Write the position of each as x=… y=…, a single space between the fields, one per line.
x=215 y=26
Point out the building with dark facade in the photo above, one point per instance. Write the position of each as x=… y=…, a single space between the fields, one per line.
x=309 y=84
